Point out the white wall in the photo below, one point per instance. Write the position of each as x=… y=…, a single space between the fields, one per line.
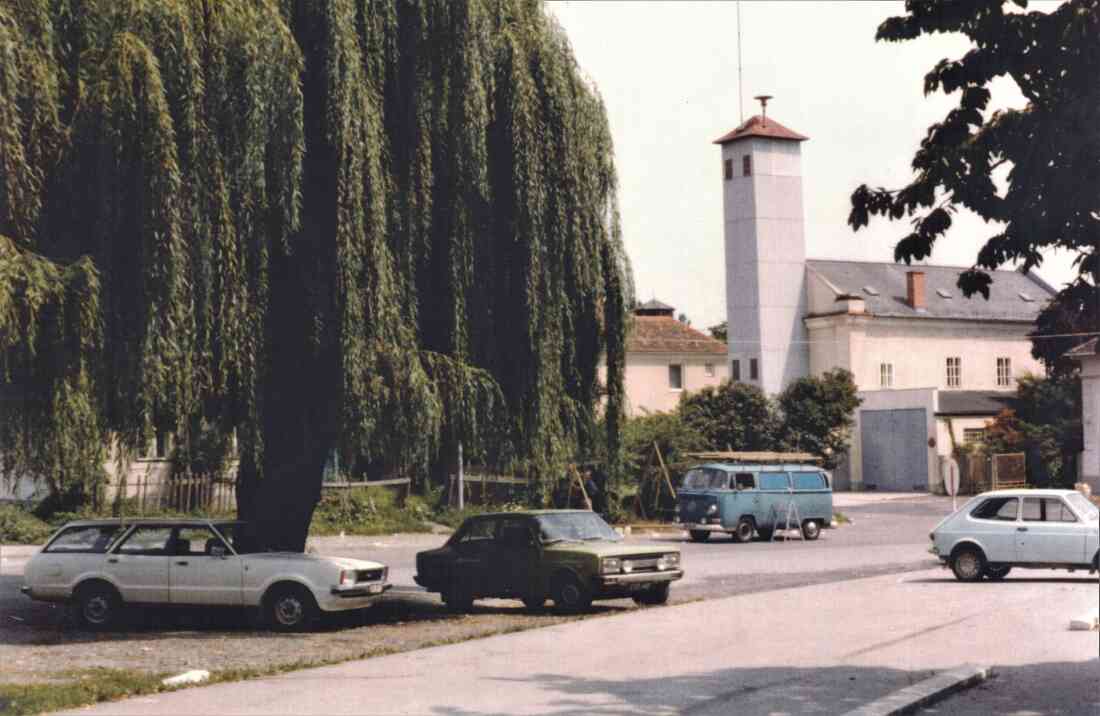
x=918 y=350
x=1090 y=418
x=646 y=379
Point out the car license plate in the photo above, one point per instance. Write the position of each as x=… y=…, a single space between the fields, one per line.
x=374 y=589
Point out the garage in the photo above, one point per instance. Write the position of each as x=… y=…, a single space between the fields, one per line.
x=895 y=449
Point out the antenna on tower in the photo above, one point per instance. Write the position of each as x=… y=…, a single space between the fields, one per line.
x=763 y=99
x=740 y=92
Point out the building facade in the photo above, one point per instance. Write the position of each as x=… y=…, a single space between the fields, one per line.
x=932 y=366
x=1089 y=464
x=666 y=359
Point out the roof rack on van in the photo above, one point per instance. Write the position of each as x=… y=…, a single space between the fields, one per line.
x=785 y=457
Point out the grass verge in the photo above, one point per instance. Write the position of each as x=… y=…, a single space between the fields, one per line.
x=841 y=519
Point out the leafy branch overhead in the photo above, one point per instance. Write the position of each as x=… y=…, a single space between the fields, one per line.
x=1033 y=170
x=380 y=228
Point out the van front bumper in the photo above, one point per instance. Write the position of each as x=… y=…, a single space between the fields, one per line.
x=701 y=526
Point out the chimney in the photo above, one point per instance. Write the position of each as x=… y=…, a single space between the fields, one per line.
x=914 y=281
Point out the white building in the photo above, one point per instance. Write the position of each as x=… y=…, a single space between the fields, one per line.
x=666 y=359
x=930 y=364
x=1089 y=466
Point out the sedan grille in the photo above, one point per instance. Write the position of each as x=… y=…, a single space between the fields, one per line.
x=641 y=563
x=370 y=575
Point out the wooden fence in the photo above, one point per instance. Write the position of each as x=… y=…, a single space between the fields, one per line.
x=190 y=494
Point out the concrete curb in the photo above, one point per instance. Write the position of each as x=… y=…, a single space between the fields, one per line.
x=927 y=692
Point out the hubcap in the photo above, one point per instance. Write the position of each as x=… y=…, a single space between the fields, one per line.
x=968 y=564
x=288 y=611
x=570 y=594
x=96 y=609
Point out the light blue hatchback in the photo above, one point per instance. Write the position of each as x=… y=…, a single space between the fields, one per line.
x=743 y=499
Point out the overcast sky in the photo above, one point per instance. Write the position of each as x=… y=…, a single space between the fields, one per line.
x=668 y=73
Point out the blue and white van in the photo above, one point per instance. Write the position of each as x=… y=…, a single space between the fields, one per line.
x=742 y=499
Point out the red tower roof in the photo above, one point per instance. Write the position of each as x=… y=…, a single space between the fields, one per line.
x=757 y=126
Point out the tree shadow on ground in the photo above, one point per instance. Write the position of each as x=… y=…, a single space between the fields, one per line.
x=745 y=692
x=30 y=623
x=1043 y=689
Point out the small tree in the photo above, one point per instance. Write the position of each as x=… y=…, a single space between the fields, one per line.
x=818 y=414
x=719 y=332
x=732 y=416
x=1046 y=425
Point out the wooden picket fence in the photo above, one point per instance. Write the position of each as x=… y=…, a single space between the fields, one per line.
x=190 y=494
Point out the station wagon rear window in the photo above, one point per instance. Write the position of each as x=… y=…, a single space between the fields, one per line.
x=89 y=539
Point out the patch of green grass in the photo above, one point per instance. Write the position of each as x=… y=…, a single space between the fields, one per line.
x=79 y=688
x=841 y=518
x=18 y=526
x=365 y=511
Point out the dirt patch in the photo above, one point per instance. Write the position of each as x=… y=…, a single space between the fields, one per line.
x=45 y=646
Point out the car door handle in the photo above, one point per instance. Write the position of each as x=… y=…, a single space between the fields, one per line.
x=182 y=564
x=113 y=560
x=1021 y=529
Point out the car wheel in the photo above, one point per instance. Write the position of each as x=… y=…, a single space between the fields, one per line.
x=699 y=535
x=570 y=594
x=657 y=594
x=811 y=530
x=765 y=533
x=97 y=606
x=459 y=596
x=968 y=564
x=290 y=608
x=744 y=530
x=996 y=574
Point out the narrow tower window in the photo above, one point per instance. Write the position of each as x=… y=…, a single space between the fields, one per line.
x=735 y=371
x=746 y=165
x=728 y=169
x=754 y=369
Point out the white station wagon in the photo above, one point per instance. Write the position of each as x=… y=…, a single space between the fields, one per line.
x=1034 y=529
x=102 y=565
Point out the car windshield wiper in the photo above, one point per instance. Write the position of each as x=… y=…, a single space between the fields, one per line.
x=560 y=539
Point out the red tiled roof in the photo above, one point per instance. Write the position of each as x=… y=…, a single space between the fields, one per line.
x=664 y=334
x=756 y=126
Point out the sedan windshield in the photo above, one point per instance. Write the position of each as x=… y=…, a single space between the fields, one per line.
x=575 y=527
x=1085 y=508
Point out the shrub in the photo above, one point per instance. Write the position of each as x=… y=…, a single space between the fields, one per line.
x=365 y=511
x=17 y=526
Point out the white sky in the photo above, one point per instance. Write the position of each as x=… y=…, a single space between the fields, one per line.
x=668 y=73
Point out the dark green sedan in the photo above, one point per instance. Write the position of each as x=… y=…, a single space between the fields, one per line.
x=570 y=556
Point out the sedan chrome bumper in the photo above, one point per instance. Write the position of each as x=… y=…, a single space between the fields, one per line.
x=611 y=580
x=365 y=590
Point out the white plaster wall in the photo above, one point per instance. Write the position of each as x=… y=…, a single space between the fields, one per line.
x=1090 y=418
x=893 y=400
x=646 y=379
x=765 y=261
x=918 y=349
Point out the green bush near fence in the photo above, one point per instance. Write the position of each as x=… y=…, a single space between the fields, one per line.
x=365 y=511
x=18 y=526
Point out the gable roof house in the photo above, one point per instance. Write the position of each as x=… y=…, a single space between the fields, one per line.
x=932 y=366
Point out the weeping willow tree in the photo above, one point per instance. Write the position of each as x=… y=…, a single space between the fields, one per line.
x=379 y=228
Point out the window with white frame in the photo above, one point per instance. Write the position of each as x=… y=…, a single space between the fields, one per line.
x=954 y=372
x=675 y=376
x=886 y=375
x=708 y=369
x=1004 y=372
x=973 y=436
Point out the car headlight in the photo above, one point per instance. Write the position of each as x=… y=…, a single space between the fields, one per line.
x=712 y=509
x=669 y=561
x=611 y=565
x=347 y=577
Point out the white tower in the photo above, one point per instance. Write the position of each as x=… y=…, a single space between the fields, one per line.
x=765 y=253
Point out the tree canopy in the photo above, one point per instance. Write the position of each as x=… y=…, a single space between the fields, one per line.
x=1031 y=171
x=380 y=228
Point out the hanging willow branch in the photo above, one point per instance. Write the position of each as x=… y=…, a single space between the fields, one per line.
x=370 y=226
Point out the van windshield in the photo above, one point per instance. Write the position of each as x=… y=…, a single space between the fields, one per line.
x=700 y=479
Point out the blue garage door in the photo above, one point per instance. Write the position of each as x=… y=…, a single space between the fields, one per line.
x=895 y=450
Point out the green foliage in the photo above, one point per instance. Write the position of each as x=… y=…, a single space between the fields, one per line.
x=818 y=415
x=364 y=511
x=375 y=227
x=81 y=688
x=1046 y=423
x=669 y=431
x=1050 y=147
x=733 y=416
x=720 y=331
x=17 y=526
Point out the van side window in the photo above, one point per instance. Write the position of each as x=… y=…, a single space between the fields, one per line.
x=719 y=480
x=746 y=481
x=774 y=481
x=809 y=481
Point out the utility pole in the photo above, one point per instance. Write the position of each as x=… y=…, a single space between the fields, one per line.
x=461 y=487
